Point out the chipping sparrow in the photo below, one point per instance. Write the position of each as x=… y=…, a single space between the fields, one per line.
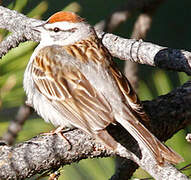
x=71 y=81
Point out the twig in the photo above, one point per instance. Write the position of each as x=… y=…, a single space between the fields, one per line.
x=188 y=166
x=122 y=13
x=16 y=124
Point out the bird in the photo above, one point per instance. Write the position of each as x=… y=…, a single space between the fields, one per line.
x=72 y=81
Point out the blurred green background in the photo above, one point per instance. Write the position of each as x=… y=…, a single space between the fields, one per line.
x=170 y=28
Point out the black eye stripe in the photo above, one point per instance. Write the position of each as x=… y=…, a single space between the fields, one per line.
x=56 y=29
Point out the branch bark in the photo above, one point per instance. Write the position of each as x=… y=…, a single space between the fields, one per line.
x=16 y=124
x=44 y=152
x=125 y=49
x=50 y=152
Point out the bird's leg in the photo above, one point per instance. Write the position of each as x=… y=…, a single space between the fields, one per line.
x=59 y=131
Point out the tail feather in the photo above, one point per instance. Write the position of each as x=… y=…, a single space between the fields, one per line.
x=169 y=154
x=158 y=150
x=132 y=112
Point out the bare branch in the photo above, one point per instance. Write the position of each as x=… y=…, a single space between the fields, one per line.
x=122 y=13
x=148 y=53
x=171 y=112
x=47 y=152
x=20 y=26
x=16 y=124
x=141 y=27
x=126 y=49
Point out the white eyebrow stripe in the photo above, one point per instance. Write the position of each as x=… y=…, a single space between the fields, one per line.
x=63 y=26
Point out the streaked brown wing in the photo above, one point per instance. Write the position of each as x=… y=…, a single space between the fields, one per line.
x=131 y=97
x=159 y=151
x=70 y=93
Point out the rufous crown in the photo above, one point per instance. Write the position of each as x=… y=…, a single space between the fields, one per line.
x=65 y=16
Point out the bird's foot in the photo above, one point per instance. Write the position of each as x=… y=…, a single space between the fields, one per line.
x=59 y=132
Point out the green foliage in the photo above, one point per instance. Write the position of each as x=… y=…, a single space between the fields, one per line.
x=152 y=81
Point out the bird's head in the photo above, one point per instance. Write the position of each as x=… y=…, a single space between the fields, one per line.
x=63 y=28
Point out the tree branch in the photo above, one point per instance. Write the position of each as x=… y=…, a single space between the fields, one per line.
x=50 y=152
x=16 y=124
x=126 y=49
x=47 y=152
x=43 y=153
x=148 y=53
x=122 y=13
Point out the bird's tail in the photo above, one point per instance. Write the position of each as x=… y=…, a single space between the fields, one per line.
x=158 y=150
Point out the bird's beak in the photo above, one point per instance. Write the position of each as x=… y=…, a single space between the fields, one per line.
x=38 y=28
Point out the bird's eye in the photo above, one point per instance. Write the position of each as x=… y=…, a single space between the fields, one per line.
x=56 y=29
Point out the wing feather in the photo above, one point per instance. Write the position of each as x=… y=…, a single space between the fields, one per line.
x=71 y=93
x=129 y=94
x=134 y=113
